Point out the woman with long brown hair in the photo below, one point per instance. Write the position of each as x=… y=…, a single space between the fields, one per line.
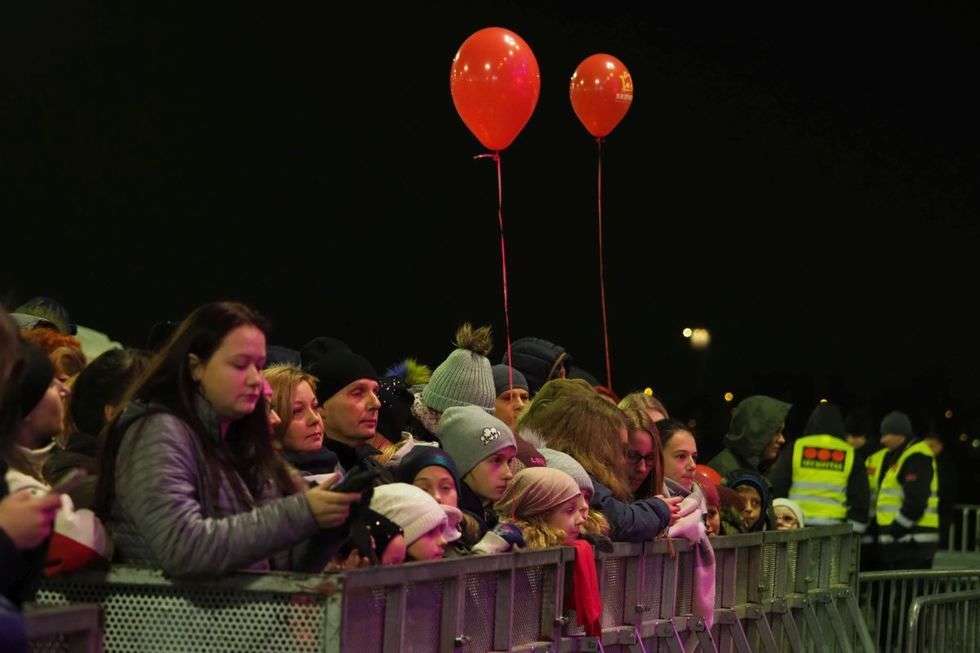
x=189 y=479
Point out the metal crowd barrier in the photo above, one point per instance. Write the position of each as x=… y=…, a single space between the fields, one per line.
x=887 y=597
x=71 y=628
x=774 y=591
x=964 y=529
x=944 y=622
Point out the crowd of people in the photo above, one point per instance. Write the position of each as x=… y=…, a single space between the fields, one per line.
x=217 y=452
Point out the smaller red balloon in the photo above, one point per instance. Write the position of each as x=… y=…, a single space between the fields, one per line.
x=601 y=91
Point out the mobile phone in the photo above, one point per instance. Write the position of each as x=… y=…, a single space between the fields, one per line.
x=356 y=481
x=69 y=482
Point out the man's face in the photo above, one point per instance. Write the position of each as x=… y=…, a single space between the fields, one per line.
x=351 y=415
x=892 y=441
x=857 y=440
x=510 y=404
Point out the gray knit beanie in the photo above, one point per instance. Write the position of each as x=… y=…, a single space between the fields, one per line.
x=465 y=377
x=564 y=462
x=470 y=434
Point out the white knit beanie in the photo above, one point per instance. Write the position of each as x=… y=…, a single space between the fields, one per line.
x=415 y=511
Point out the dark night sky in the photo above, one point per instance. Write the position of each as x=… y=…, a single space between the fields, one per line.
x=804 y=186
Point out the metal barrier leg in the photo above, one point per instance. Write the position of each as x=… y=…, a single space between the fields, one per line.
x=731 y=626
x=813 y=626
x=788 y=622
x=702 y=640
x=765 y=634
x=858 y=623
x=838 y=625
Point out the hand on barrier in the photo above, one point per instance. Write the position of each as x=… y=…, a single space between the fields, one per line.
x=329 y=508
x=28 y=519
x=674 y=503
x=353 y=561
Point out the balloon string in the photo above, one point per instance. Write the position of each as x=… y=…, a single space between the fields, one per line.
x=602 y=266
x=503 y=261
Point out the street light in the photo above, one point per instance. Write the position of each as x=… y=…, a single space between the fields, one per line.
x=700 y=338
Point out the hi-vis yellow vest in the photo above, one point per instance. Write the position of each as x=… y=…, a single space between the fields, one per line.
x=821 y=467
x=890 y=493
x=873 y=465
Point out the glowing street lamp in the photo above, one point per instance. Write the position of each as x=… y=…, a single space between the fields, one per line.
x=700 y=338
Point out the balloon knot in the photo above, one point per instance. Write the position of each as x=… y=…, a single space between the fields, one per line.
x=489 y=155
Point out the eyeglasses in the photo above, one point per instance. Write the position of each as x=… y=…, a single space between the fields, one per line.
x=635 y=457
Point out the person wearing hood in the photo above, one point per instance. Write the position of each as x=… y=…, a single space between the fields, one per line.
x=904 y=496
x=757 y=512
x=755 y=436
x=539 y=361
x=821 y=473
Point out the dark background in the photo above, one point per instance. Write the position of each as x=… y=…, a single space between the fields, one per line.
x=803 y=185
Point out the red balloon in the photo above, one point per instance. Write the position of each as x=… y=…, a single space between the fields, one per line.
x=495 y=83
x=708 y=473
x=602 y=92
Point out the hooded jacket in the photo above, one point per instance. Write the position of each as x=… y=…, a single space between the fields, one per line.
x=826 y=420
x=537 y=359
x=754 y=422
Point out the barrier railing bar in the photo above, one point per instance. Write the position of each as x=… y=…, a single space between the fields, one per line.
x=395 y=618
x=921 y=603
x=81 y=624
x=451 y=631
x=504 y=611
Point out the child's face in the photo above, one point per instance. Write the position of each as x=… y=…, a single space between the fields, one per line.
x=712 y=520
x=490 y=477
x=394 y=553
x=568 y=517
x=430 y=546
x=439 y=483
x=753 y=504
x=785 y=519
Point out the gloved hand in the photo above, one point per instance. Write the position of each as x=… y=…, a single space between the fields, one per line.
x=510 y=534
x=896 y=530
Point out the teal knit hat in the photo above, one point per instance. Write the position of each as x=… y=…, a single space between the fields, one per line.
x=465 y=377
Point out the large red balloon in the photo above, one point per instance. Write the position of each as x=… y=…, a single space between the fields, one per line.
x=495 y=83
x=602 y=91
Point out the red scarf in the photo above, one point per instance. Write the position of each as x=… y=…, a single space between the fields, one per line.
x=585 y=589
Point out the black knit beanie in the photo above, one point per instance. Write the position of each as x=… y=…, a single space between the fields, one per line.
x=335 y=366
x=35 y=378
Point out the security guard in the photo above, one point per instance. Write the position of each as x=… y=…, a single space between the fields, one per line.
x=824 y=477
x=905 y=496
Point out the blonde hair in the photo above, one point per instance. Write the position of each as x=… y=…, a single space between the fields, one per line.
x=586 y=427
x=595 y=524
x=284 y=379
x=537 y=534
x=643 y=401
